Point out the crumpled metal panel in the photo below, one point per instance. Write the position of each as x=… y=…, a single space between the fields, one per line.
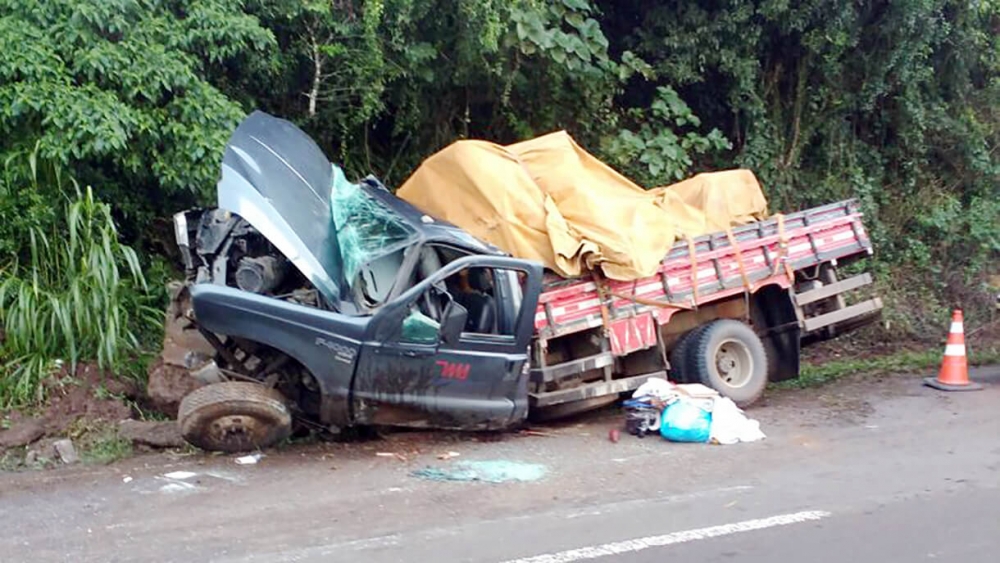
x=278 y=179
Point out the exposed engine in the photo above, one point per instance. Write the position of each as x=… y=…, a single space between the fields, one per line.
x=222 y=248
x=227 y=250
x=260 y=274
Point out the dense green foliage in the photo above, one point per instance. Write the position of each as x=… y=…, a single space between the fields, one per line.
x=892 y=102
x=895 y=103
x=127 y=92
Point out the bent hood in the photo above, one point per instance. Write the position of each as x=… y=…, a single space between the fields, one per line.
x=278 y=179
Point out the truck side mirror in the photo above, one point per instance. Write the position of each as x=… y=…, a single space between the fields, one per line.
x=453 y=322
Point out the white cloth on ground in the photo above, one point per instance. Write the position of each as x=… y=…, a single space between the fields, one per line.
x=655 y=387
x=730 y=425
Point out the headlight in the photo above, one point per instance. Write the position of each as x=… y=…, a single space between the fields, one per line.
x=181 y=229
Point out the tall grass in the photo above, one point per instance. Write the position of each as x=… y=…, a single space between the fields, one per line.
x=78 y=295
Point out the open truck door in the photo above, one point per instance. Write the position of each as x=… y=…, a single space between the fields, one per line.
x=460 y=363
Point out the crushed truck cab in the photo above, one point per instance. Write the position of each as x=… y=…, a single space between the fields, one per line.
x=331 y=303
x=376 y=314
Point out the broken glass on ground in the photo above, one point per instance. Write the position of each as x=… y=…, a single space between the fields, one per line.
x=496 y=471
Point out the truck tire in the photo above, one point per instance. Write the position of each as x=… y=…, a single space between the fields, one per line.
x=729 y=357
x=678 y=355
x=234 y=416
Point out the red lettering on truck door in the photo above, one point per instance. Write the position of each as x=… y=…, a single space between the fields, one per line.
x=454 y=370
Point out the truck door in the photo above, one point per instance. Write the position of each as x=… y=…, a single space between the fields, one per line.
x=466 y=369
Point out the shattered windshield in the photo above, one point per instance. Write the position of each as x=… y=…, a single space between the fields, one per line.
x=366 y=230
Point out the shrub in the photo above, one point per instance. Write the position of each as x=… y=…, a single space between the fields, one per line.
x=69 y=292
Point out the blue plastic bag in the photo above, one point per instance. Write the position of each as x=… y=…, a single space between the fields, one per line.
x=684 y=421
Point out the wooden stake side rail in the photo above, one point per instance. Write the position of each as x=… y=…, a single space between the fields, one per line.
x=811 y=237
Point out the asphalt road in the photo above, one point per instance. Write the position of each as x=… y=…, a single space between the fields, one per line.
x=863 y=471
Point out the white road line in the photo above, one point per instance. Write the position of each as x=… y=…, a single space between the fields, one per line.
x=639 y=544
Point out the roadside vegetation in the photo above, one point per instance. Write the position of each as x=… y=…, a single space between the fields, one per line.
x=114 y=113
x=71 y=290
x=820 y=373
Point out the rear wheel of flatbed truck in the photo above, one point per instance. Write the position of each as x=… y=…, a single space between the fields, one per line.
x=678 y=355
x=729 y=357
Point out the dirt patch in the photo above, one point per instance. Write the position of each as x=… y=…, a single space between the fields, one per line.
x=158 y=434
x=168 y=384
x=89 y=394
x=859 y=347
x=873 y=342
x=851 y=399
x=183 y=346
x=84 y=398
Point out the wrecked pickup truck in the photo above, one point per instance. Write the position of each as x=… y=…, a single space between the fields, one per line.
x=338 y=304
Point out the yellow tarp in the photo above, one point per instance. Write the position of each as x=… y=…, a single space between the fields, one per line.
x=547 y=199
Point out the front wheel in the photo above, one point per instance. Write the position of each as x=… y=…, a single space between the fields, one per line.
x=729 y=357
x=234 y=416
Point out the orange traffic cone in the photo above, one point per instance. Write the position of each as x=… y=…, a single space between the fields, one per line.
x=954 y=374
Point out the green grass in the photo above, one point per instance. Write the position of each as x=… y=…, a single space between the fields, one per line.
x=103 y=446
x=80 y=295
x=15 y=459
x=812 y=375
x=12 y=459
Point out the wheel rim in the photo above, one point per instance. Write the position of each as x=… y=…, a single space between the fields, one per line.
x=238 y=430
x=733 y=363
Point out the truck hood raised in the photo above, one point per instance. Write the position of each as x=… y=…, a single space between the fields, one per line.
x=277 y=179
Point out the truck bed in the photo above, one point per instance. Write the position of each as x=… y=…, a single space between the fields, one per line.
x=765 y=253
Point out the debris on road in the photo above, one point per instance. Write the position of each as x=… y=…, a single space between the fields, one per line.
x=499 y=471
x=396 y=455
x=656 y=387
x=67 y=453
x=642 y=416
x=539 y=433
x=686 y=420
x=697 y=391
x=251 y=459
x=687 y=413
x=448 y=455
x=730 y=425
x=177 y=482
